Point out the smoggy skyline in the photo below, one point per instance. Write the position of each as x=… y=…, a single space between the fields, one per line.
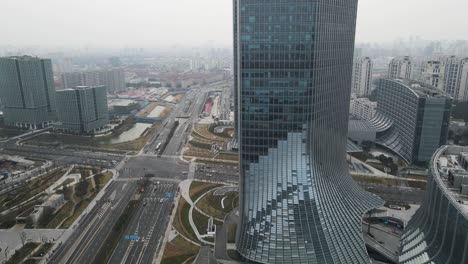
x=145 y=23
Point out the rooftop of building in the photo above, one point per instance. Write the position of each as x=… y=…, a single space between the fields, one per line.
x=422 y=89
x=92 y=71
x=364 y=100
x=80 y=88
x=23 y=57
x=452 y=164
x=121 y=102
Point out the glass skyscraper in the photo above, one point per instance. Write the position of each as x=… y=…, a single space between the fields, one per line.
x=27 y=91
x=293 y=67
x=82 y=109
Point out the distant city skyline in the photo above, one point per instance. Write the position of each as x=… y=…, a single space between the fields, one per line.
x=142 y=23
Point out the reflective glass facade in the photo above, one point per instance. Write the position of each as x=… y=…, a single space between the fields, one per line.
x=438 y=233
x=27 y=91
x=82 y=109
x=420 y=117
x=293 y=64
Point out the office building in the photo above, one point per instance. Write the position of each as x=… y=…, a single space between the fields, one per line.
x=363 y=108
x=415 y=117
x=27 y=91
x=433 y=73
x=298 y=203
x=82 y=109
x=113 y=79
x=400 y=68
x=438 y=233
x=362 y=77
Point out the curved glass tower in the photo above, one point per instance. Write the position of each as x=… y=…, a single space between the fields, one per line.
x=438 y=232
x=293 y=64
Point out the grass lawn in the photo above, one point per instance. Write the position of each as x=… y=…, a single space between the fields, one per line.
x=179 y=250
x=61 y=215
x=21 y=253
x=102 y=179
x=79 y=208
x=109 y=244
x=31 y=189
x=67 y=181
x=9 y=220
x=85 y=172
x=31 y=261
x=211 y=204
x=181 y=221
x=197 y=189
x=43 y=249
x=376 y=180
x=201 y=221
x=86 y=195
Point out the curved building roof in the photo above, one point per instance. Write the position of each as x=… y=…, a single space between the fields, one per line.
x=438 y=233
x=381 y=122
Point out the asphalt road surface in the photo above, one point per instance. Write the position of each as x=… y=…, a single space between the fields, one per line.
x=148 y=226
x=217 y=173
x=84 y=243
x=167 y=168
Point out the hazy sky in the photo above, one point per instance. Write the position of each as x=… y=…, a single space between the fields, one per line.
x=149 y=23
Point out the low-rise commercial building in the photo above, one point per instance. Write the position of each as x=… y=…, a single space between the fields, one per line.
x=123 y=106
x=363 y=108
x=82 y=109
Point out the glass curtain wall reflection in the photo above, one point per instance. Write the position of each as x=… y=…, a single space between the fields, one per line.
x=293 y=64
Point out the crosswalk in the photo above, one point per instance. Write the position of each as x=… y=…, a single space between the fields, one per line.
x=103 y=209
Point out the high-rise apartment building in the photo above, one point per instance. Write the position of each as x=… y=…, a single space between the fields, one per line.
x=298 y=203
x=362 y=76
x=82 y=109
x=456 y=78
x=400 y=68
x=433 y=73
x=27 y=91
x=462 y=94
x=113 y=79
x=418 y=117
x=438 y=233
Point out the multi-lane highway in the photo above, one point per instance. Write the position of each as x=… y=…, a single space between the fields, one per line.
x=217 y=173
x=180 y=121
x=145 y=234
x=64 y=156
x=85 y=241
